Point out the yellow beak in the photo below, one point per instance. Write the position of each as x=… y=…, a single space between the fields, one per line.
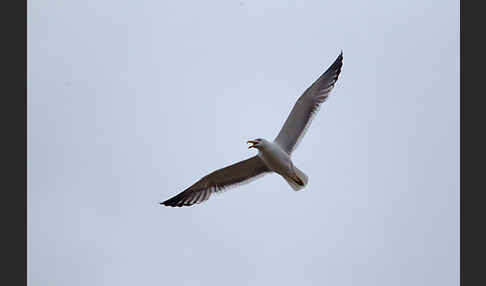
x=252 y=142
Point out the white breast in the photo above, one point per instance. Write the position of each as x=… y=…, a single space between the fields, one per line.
x=276 y=158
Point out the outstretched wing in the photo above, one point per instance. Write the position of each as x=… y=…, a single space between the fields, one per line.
x=307 y=106
x=237 y=173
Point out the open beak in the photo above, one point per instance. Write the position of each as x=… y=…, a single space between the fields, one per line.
x=251 y=142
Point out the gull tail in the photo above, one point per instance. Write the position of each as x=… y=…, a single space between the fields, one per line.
x=298 y=181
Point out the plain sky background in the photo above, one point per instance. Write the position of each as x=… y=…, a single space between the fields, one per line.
x=130 y=102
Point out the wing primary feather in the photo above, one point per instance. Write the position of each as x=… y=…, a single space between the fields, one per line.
x=219 y=180
x=307 y=106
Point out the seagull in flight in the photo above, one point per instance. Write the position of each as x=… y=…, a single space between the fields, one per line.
x=272 y=156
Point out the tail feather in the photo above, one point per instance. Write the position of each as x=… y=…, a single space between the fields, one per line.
x=299 y=181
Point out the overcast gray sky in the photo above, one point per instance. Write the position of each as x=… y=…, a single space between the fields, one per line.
x=130 y=102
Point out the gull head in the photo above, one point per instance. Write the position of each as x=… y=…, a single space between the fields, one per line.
x=258 y=143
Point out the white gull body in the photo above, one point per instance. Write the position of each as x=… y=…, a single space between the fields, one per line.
x=278 y=161
x=272 y=156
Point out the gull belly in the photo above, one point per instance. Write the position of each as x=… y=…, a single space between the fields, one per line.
x=276 y=159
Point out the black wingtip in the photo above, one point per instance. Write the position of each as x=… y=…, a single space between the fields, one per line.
x=335 y=68
x=339 y=59
x=168 y=203
x=176 y=201
x=336 y=65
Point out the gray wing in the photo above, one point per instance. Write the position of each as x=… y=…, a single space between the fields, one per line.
x=307 y=107
x=235 y=174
